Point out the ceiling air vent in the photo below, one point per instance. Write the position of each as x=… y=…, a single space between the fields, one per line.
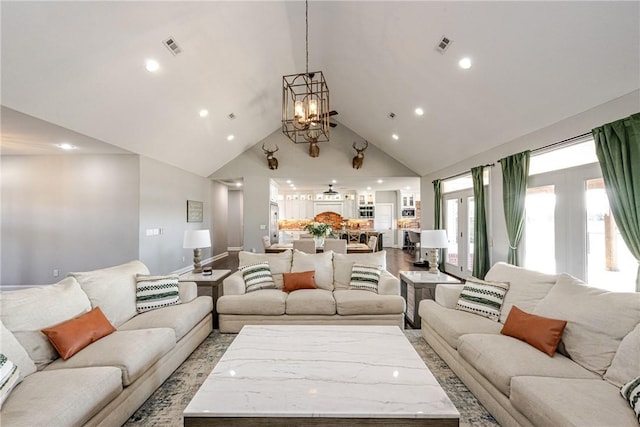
x=443 y=45
x=173 y=47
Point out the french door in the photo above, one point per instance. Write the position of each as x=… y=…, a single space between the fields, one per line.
x=458 y=213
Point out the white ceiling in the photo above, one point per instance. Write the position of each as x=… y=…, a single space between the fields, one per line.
x=80 y=65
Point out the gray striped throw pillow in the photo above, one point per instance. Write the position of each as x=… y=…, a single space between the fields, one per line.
x=365 y=277
x=154 y=292
x=257 y=276
x=482 y=298
x=9 y=377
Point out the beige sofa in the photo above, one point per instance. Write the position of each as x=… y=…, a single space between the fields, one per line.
x=522 y=386
x=104 y=383
x=331 y=303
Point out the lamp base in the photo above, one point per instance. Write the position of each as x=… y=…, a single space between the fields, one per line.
x=197 y=267
x=433 y=261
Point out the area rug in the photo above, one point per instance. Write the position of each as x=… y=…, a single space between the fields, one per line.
x=165 y=406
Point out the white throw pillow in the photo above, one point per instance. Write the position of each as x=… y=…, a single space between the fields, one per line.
x=11 y=348
x=9 y=377
x=279 y=263
x=113 y=289
x=321 y=263
x=526 y=287
x=343 y=264
x=482 y=297
x=153 y=292
x=597 y=320
x=257 y=276
x=626 y=362
x=27 y=311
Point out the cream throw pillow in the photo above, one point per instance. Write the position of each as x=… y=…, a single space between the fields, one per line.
x=320 y=263
x=626 y=362
x=597 y=320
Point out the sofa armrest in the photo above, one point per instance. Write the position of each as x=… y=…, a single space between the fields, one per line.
x=234 y=284
x=447 y=295
x=388 y=284
x=188 y=291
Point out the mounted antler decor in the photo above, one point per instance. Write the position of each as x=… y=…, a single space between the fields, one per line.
x=272 y=161
x=359 y=158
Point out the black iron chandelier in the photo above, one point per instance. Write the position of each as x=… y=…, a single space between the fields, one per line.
x=305 y=102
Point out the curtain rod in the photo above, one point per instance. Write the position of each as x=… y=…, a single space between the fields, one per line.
x=564 y=141
x=463 y=173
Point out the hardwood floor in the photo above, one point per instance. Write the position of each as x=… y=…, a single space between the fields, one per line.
x=397 y=260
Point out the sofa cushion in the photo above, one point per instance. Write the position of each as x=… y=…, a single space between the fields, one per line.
x=482 y=297
x=597 y=320
x=257 y=276
x=279 y=263
x=499 y=358
x=181 y=318
x=71 y=336
x=9 y=377
x=15 y=352
x=122 y=349
x=365 y=277
x=301 y=280
x=267 y=302
x=321 y=263
x=626 y=362
x=451 y=324
x=68 y=397
x=351 y=302
x=153 y=292
x=631 y=392
x=526 y=287
x=540 y=332
x=343 y=264
x=26 y=312
x=113 y=289
x=311 y=301
x=570 y=402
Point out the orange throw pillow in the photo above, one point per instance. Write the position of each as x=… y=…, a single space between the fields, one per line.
x=540 y=332
x=71 y=336
x=302 y=280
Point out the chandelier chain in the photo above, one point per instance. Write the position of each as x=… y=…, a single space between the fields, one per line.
x=306 y=24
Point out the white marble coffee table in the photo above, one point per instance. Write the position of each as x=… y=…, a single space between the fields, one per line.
x=321 y=376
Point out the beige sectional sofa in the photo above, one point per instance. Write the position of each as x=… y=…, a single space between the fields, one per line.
x=522 y=386
x=104 y=383
x=331 y=303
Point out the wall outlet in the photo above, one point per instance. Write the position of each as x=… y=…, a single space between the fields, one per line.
x=263 y=227
x=183 y=258
x=56 y=272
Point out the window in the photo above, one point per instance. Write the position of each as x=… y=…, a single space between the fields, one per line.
x=458 y=221
x=568 y=226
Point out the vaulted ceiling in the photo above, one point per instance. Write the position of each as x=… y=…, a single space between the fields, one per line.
x=81 y=66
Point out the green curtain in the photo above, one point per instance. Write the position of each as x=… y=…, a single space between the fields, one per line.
x=480 y=241
x=437 y=214
x=618 y=150
x=515 y=173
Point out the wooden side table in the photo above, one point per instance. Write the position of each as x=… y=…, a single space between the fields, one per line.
x=210 y=285
x=418 y=285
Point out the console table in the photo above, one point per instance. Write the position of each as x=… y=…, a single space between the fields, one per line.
x=418 y=285
x=208 y=284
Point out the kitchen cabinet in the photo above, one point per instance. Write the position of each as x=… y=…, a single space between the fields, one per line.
x=408 y=200
x=366 y=198
x=319 y=207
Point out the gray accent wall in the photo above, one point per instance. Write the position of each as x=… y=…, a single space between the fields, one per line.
x=219 y=217
x=67 y=213
x=235 y=226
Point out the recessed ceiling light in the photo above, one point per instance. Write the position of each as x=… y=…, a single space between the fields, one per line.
x=395 y=136
x=291 y=185
x=288 y=181
x=380 y=181
x=419 y=111
x=66 y=146
x=407 y=188
x=230 y=138
x=294 y=188
x=465 y=63
x=203 y=113
x=152 y=65
x=333 y=181
x=238 y=184
x=368 y=188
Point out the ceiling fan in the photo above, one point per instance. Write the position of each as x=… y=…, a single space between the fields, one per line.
x=330 y=113
x=330 y=190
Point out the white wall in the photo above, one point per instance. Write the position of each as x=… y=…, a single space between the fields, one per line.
x=235 y=221
x=67 y=212
x=219 y=218
x=568 y=128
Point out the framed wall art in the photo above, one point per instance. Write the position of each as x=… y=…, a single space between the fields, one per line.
x=194 y=211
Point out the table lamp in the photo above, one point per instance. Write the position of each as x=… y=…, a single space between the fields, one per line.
x=196 y=239
x=432 y=240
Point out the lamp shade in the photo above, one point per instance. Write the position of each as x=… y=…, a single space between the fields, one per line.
x=432 y=239
x=196 y=239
